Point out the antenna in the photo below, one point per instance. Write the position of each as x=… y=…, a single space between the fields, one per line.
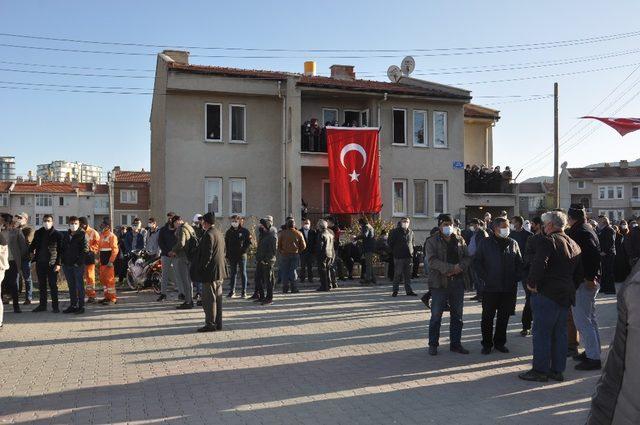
x=394 y=73
x=407 y=65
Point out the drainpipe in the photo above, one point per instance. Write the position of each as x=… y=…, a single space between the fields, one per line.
x=283 y=195
x=384 y=99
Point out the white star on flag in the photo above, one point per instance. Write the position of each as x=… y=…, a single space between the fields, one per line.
x=354 y=176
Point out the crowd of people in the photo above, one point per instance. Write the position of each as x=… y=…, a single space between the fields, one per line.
x=483 y=179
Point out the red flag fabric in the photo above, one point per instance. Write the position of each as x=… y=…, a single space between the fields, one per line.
x=354 y=175
x=621 y=125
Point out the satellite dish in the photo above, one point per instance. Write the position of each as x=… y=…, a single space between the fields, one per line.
x=394 y=73
x=408 y=65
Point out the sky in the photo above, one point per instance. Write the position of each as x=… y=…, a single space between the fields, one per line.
x=41 y=122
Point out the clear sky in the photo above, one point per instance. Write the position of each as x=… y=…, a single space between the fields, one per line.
x=113 y=129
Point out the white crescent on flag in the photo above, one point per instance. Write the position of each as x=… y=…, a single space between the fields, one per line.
x=353 y=147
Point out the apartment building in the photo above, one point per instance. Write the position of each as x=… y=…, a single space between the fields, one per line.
x=7 y=168
x=63 y=171
x=131 y=196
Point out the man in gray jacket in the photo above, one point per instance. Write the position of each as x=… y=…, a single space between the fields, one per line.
x=185 y=237
x=325 y=254
x=265 y=261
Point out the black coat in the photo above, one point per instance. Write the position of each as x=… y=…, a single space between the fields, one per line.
x=607 y=237
x=499 y=266
x=401 y=242
x=586 y=238
x=74 y=248
x=237 y=242
x=310 y=240
x=46 y=245
x=209 y=262
x=166 y=239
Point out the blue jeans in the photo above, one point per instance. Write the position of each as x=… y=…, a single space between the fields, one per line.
x=549 y=334
x=584 y=317
x=454 y=293
x=26 y=276
x=289 y=264
x=75 y=276
x=234 y=265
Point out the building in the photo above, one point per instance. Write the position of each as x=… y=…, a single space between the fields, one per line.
x=232 y=141
x=61 y=200
x=7 y=168
x=535 y=198
x=65 y=171
x=613 y=191
x=131 y=196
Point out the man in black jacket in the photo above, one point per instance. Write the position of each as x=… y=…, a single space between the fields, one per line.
x=529 y=254
x=325 y=253
x=498 y=263
x=209 y=268
x=584 y=310
x=266 y=253
x=75 y=248
x=401 y=241
x=166 y=241
x=307 y=256
x=237 y=241
x=45 y=250
x=607 y=238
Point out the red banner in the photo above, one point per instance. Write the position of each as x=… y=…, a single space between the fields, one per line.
x=354 y=174
x=621 y=125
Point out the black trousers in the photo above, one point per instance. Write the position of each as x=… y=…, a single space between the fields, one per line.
x=306 y=266
x=212 y=303
x=527 y=315
x=325 y=273
x=47 y=275
x=608 y=274
x=498 y=305
x=264 y=280
x=10 y=282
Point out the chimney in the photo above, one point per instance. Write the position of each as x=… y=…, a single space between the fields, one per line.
x=343 y=72
x=178 y=56
x=39 y=181
x=310 y=69
x=624 y=163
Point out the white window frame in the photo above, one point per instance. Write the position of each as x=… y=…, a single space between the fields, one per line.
x=580 y=184
x=425 y=124
x=426 y=198
x=637 y=188
x=206 y=135
x=395 y=213
x=445 y=194
x=606 y=191
x=364 y=113
x=446 y=129
x=128 y=219
x=393 y=127
x=128 y=196
x=242 y=180
x=244 y=123
x=44 y=197
x=4 y=200
x=330 y=109
x=23 y=201
x=206 y=206
x=325 y=208
x=38 y=219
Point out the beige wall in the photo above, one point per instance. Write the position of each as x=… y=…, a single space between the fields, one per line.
x=312 y=178
x=475 y=142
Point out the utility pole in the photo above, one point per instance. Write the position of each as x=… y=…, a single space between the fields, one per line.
x=556 y=148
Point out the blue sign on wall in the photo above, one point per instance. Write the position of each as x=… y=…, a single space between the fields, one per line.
x=458 y=165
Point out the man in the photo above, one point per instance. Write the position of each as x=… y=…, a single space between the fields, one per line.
x=368 y=238
x=17 y=251
x=632 y=243
x=474 y=243
x=518 y=233
x=325 y=253
x=307 y=256
x=151 y=244
x=197 y=227
x=135 y=239
x=265 y=261
x=447 y=258
x=185 y=240
x=468 y=233
x=166 y=241
x=209 y=268
x=237 y=241
x=93 y=239
x=74 y=248
x=584 y=310
x=487 y=220
x=401 y=241
x=45 y=251
x=529 y=255
x=22 y=223
x=108 y=253
x=4 y=266
x=607 y=238
x=552 y=283
x=290 y=244
x=338 y=265
x=498 y=262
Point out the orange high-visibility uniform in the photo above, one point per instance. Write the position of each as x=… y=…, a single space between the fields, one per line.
x=108 y=254
x=93 y=238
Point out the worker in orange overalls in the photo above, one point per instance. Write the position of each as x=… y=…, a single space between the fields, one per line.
x=93 y=238
x=108 y=253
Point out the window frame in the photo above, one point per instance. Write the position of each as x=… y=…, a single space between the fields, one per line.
x=604 y=190
x=364 y=113
x=243 y=180
x=4 y=200
x=244 y=123
x=44 y=197
x=393 y=127
x=580 y=184
x=425 y=136
x=206 y=135
x=426 y=198
x=395 y=213
x=129 y=192
x=446 y=129
x=330 y=109
x=637 y=188
x=445 y=194
x=217 y=213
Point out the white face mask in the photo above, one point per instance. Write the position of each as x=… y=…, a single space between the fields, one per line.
x=447 y=230
x=473 y=228
x=623 y=226
x=306 y=226
x=634 y=225
x=527 y=227
x=512 y=227
x=234 y=224
x=504 y=233
x=47 y=225
x=404 y=225
x=74 y=227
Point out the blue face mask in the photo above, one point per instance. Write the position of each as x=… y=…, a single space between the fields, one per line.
x=447 y=230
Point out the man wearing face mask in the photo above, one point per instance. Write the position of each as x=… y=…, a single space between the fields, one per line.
x=476 y=239
x=290 y=244
x=307 y=256
x=265 y=261
x=45 y=250
x=108 y=254
x=498 y=262
x=17 y=251
x=75 y=247
x=447 y=257
x=401 y=241
x=22 y=223
x=93 y=239
x=166 y=241
x=326 y=254
x=607 y=238
x=237 y=242
x=518 y=233
x=528 y=255
x=135 y=239
x=632 y=243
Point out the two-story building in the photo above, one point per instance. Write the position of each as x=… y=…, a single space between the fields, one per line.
x=131 y=196
x=609 y=190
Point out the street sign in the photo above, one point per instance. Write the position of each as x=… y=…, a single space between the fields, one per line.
x=458 y=165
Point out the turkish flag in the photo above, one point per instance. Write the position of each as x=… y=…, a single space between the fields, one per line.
x=621 y=125
x=354 y=175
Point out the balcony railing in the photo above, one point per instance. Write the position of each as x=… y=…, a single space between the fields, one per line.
x=313 y=139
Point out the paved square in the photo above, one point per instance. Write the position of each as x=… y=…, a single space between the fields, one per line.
x=352 y=356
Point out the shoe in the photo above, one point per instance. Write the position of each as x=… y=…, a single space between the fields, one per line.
x=486 y=350
x=267 y=301
x=255 y=296
x=26 y=302
x=446 y=307
x=207 y=329
x=199 y=303
x=16 y=309
x=459 y=349
x=162 y=297
x=572 y=352
x=394 y=294
x=40 y=308
x=92 y=300
x=258 y=300
x=55 y=309
x=425 y=300
x=108 y=302
x=185 y=306
x=525 y=332
x=243 y=295
x=285 y=291
x=433 y=350
x=580 y=357
x=181 y=297
x=412 y=294
x=502 y=348
x=295 y=291
x=79 y=310
x=334 y=286
x=474 y=298
x=70 y=309
x=556 y=376
x=230 y=295
x=534 y=376
x=589 y=364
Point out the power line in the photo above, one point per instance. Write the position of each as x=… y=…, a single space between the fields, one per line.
x=44 y=65
x=74 y=74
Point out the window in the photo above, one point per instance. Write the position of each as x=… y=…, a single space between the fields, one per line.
x=213 y=195
x=580 y=184
x=419 y=128
x=128 y=196
x=237 y=189
x=213 y=122
x=420 y=198
x=399 y=198
x=127 y=219
x=635 y=192
x=63 y=220
x=326 y=197
x=399 y=127
x=238 y=123
x=330 y=116
x=43 y=201
x=610 y=192
x=352 y=118
x=440 y=129
x=39 y=219
x=23 y=201
x=61 y=201
x=364 y=118
x=101 y=203
x=614 y=215
x=4 y=200
x=440 y=197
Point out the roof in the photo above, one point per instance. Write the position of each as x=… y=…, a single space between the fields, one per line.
x=229 y=72
x=132 y=176
x=531 y=188
x=53 y=187
x=5 y=185
x=476 y=111
x=549 y=187
x=603 y=172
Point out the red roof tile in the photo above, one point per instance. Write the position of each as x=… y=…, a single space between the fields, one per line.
x=229 y=72
x=603 y=172
x=101 y=189
x=132 y=176
x=5 y=185
x=45 y=187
